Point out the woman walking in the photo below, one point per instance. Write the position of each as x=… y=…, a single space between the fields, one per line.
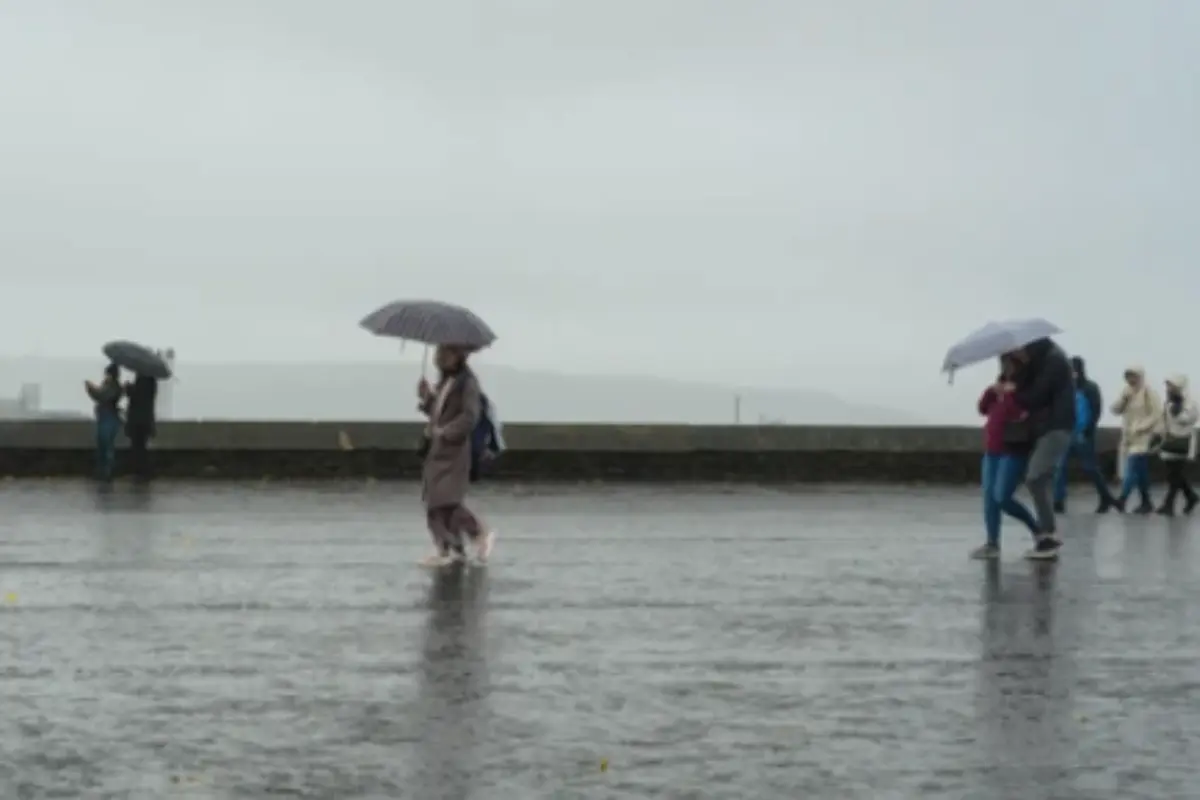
x=453 y=408
x=1141 y=413
x=1007 y=444
x=1178 y=448
x=107 y=398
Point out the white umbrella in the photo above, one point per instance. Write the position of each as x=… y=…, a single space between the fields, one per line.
x=994 y=340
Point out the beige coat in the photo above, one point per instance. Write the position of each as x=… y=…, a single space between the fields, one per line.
x=453 y=412
x=1141 y=416
x=1181 y=424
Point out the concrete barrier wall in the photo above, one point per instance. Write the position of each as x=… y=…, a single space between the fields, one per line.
x=299 y=450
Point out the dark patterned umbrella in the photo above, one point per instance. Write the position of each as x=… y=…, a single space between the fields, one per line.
x=429 y=322
x=137 y=359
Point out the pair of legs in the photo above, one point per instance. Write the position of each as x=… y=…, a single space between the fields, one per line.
x=1177 y=483
x=107 y=427
x=139 y=453
x=451 y=526
x=1002 y=476
x=1048 y=453
x=1085 y=451
x=1137 y=476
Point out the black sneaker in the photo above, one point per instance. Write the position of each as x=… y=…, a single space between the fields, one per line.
x=1144 y=508
x=1046 y=549
x=1165 y=511
x=1105 y=505
x=1190 y=505
x=1060 y=508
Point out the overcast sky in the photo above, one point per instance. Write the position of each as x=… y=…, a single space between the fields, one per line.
x=817 y=193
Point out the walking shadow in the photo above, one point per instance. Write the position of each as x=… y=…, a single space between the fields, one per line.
x=451 y=706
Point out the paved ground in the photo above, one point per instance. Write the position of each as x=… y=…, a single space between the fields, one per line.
x=266 y=641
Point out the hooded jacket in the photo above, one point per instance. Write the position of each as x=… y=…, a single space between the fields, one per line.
x=1091 y=392
x=1047 y=388
x=1141 y=414
x=1179 y=419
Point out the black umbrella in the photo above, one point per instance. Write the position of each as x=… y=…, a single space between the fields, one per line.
x=137 y=359
x=429 y=322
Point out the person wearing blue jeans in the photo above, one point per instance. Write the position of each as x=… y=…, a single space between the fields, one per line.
x=1002 y=476
x=1005 y=458
x=1141 y=412
x=1083 y=447
x=1137 y=476
x=107 y=397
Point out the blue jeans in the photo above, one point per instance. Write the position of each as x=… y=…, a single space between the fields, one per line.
x=1002 y=475
x=1137 y=475
x=107 y=428
x=1085 y=451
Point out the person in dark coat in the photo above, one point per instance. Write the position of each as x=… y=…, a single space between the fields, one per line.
x=1046 y=391
x=1089 y=406
x=141 y=423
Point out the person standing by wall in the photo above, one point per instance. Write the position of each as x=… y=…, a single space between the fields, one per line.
x=141 y=423
x=107 y=398
x=1178 y=449
x=1045 y=389
x=1089 y=404
x=1141 y=418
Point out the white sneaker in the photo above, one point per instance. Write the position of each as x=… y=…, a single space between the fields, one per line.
x=986 y=552
x=436 y=560
x=483 y=547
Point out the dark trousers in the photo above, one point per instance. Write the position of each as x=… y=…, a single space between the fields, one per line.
x=1177 y=482
x=139 y=453
x=448 y=525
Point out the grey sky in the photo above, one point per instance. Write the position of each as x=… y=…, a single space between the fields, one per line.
x=791 y=193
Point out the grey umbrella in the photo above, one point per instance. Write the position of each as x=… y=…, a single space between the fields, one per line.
x=136 y=358
x=429 y=322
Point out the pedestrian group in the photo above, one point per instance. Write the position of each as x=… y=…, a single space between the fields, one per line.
x=1043 y=411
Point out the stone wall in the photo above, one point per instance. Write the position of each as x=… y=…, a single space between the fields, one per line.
x=642 y=453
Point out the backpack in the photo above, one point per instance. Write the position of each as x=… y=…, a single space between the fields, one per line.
x=487 y=441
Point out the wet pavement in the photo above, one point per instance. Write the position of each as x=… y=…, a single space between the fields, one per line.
x=264 y=641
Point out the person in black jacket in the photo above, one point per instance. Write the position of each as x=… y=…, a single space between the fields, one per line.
x=1046 y=390
x=140 y=423
x=1083 y=445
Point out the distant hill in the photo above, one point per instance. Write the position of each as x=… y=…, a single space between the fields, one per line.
x=385 y=390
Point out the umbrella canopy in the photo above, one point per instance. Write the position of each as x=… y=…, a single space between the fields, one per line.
x=429 y=322
x=995 y=339
x=136 y=358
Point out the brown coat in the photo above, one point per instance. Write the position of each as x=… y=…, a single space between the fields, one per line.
x=447 y=470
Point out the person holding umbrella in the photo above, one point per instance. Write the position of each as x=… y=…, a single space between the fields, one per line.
x=140 y=422
x=453 y=406
x=1046 y=390
x=150 y=367
x=106 y=396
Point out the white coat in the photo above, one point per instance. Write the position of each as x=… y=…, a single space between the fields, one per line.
x=1181 y=424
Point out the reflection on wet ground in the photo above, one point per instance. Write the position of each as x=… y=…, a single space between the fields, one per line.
x=250 y=642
